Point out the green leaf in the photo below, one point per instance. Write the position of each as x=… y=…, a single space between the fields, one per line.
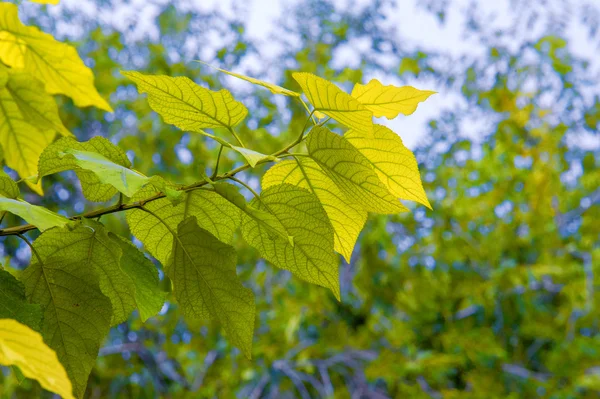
x=125 y=180
x=272 y=87
x=8 y=187
x=330 y=100
x=203 y=271
x=389 y=101
x=253 y=157
x=56 y=64
x=148 y=295
x=65 y=282
x=395 y=164
x=347 y=218
x=351 y=171
x=23 y=137
x=38 y=216
x=22 y=347
x=267 y=220
x=312 y=258
x=213 y=213
x=51 y=162
x=186 y=105
x=14 y=305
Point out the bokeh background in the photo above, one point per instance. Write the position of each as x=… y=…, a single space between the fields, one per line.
x=492 y=294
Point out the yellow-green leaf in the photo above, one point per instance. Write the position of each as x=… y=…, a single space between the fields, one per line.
x=275 y=89
x=332 y=101
x=51 y=161
x=312 y=257
x=395 y=164
x=125 y=180
x=186 y=105
x=389 y=101
x=36 y=215
x=8 y=187
x=54 y=63
x=22 y=137
x=203 y=271
x=347 y=218
x=213 y=213
x=13 y=302
x=22 y=347
x=253 y=157
x=351 y=171
x=53 y=2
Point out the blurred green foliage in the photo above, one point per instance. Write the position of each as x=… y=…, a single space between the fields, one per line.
x=490 y=295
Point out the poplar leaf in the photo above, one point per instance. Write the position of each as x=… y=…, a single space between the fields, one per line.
x=329 y=99
x=54 y=63
x=395 y=164
x=203 y=271
x=65 y=282
x=347 y=218
x=389 y=101
x=312 y=258
x=351 y=171
x=149 y=298
x=13 y=302
x=212 y=211
x=22 y=347
x=38 y=216
x=275 y=89
x=125 y=180
x=186 y=105
x=51 y=161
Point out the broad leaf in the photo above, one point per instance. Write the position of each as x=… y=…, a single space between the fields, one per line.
x=149 y=298
x=312 y=258
x=275 y=89
x=332 y=101
x=346 y=217
x=52 y=161
x=203 y=271
x=395 y=164
x=389 y=101
x=8 y=187
x=22 y=347
x=125 y=180
x=186 y=105
x=265 y=219
x=56 y=64
x=351 y=171
x=23 y=137
x=65 y=283
x=38 y=216
x=13 y=303
x=213 y=212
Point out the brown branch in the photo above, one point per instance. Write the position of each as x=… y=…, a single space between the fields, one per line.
x=120 y=207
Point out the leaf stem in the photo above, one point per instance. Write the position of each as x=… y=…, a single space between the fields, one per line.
x=239 y=140
x=214 y=175
x=247 y=186
x=33 y=250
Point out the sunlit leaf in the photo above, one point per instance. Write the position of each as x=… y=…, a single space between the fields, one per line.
x=275 y=89
x=34 y=214
x=347 y=218
x=186 y=105
x=203 y=271
x=312 y=257
x=351 y=171
x=389 y=101
x=56 y=64
x=329 y=99
x=53 y=160
x=22 y=347
x=395 y=164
